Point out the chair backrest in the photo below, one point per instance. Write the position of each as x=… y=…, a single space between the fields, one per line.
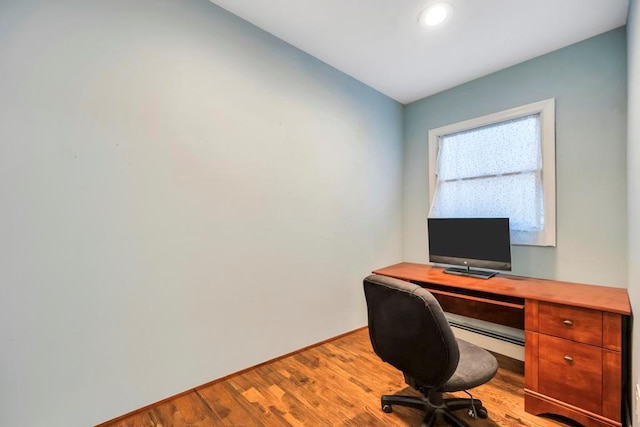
x=408 y=330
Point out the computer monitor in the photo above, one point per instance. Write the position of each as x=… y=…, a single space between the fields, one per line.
x=470 y=242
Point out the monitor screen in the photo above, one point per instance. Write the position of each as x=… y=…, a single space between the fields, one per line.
x=473 y=242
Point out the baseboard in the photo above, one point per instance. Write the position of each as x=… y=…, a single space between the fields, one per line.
x=494 y=345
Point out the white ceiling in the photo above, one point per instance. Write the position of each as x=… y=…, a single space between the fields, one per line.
x=380 y=43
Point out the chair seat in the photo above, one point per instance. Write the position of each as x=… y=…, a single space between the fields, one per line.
x=476 y=366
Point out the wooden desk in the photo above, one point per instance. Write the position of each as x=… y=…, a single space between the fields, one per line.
x=576 y=348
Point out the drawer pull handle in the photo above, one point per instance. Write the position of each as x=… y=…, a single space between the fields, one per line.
x=568 y=358
x=568 y=322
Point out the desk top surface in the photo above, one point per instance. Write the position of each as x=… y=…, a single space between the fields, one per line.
x=613 y=300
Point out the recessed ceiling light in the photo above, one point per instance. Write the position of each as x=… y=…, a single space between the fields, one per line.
x=436 y=14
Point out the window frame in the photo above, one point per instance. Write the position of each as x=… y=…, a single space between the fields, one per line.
x=546 y=109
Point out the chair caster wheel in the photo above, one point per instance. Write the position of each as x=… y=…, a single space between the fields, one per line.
x=480 y=412
x=387 y=409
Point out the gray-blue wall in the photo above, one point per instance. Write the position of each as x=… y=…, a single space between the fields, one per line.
x=183 y=196
x=588 y=81
x=633 y=162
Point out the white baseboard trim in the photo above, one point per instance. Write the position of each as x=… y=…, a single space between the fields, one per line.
x=495 y=345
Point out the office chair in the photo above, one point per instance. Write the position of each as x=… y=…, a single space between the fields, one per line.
x=408 y=330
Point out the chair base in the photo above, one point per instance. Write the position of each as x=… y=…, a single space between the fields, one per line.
x=435 y=407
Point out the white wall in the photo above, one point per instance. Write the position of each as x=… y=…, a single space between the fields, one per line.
x=633 y=162
x=183 y=196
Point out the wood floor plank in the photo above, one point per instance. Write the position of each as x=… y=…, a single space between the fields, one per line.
x=304 y=388
x=136 y=420
x=268 y=400
x=338 y=383
x=287 y=408
x=336 y=390
x=294 y=397
x=186 y=410
x=229 y=406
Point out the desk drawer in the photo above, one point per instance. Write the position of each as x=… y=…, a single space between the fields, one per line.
x=573 y=323
x=571 y=372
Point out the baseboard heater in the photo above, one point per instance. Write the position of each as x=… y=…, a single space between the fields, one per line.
x=488 y=333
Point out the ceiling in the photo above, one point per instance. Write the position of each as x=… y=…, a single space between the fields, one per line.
x=380 y=43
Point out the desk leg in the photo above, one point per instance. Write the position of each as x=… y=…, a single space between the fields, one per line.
x=531 y=360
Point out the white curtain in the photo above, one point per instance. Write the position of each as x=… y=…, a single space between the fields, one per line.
x=492 y=171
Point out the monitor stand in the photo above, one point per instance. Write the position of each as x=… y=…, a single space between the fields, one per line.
x=478 y=274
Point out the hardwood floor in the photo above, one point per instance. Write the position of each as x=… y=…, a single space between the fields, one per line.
x=338 y=383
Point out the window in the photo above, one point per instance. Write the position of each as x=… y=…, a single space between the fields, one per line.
x=499 y=165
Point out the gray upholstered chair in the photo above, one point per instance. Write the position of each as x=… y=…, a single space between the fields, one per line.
x=408 y=330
